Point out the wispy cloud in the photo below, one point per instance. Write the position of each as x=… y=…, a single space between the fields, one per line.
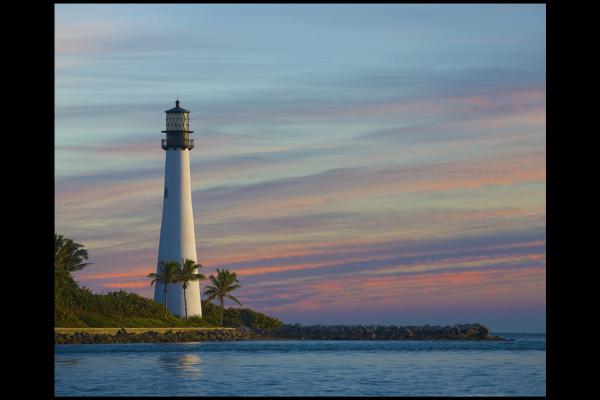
x=365 y=163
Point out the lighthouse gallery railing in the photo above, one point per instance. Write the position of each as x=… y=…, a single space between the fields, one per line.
x=177 y=142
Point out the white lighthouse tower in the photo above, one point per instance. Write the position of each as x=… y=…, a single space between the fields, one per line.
x=177 y=239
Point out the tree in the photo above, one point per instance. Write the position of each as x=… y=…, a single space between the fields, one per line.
x=68 y=254
x=189 y=273
x=224 y=283
x=168 y=273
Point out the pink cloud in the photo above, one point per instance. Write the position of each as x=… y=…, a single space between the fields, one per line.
x=519 y=100
x=126 y=285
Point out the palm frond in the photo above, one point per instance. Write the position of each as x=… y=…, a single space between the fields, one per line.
x=210 y=297
x=68 y=254
x=214 y=281
x=188 y=272
x=234 y=299
x=200 y=277
x=221 y=285
x=210 y=290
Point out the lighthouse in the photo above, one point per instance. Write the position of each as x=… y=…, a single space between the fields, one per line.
x=177 y=238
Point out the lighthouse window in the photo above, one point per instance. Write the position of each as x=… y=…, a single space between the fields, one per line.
x=166 y=192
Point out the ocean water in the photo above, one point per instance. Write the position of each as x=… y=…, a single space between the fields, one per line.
x=305 y=368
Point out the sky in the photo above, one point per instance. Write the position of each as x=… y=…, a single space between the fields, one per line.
x=352 y=163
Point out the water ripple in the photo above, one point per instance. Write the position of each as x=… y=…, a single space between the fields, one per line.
x=311 y=368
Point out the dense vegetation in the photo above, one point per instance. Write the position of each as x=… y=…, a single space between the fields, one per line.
x=75 y=306
x=237 y=317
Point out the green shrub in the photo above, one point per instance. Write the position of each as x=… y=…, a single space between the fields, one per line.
x=79 y=307
x=199 y=322
x=255 y=319
x=75 y=306
x=231 y=318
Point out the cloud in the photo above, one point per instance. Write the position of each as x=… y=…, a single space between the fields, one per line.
x=122 y=211
x=454 y=108
x=405 y=290
x=393 y=178
x=125 y=285
x=341 y=184
x=378 y=274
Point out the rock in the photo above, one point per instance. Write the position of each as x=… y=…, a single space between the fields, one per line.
x=295 y=331
x=390 y=332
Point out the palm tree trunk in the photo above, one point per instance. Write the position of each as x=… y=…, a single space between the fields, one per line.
x=222 y=310
x=185 y=301
x=166 y=309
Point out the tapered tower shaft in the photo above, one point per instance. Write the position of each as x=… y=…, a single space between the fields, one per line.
x=177 y=237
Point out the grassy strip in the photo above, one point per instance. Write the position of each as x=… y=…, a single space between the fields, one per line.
x=113 y=331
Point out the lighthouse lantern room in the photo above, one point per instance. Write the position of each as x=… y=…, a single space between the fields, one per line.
x=178 y=128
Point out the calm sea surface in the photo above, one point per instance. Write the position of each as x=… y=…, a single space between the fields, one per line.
x=311 y=368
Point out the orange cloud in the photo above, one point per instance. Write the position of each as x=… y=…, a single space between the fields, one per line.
x=123 y=285
x=494 y=284
x=140 y=272
x=520 y=100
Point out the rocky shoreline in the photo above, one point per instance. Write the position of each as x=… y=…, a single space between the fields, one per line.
x=386 y=332
x=288 y=332
x=172 y=336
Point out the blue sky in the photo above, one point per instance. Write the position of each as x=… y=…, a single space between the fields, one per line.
x=338 y=147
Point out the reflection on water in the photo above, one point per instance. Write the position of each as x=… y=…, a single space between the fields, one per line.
x=183 y=365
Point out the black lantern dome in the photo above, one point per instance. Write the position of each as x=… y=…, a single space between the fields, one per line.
x=177 y=109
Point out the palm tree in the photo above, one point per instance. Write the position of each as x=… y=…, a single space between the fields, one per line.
x=224 y=283
x=167 y=274
x=69 y=255
x=189 y=273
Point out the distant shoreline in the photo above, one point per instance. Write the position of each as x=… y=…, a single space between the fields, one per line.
x=287 y=332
